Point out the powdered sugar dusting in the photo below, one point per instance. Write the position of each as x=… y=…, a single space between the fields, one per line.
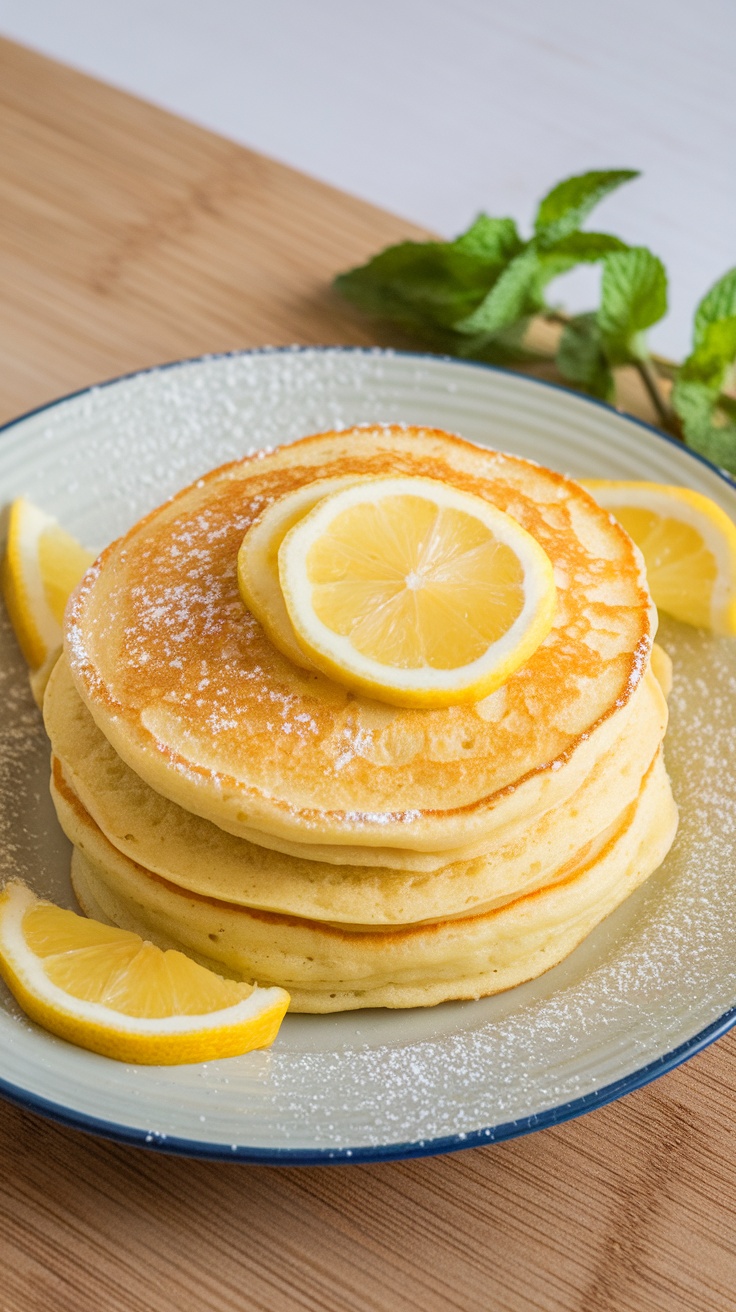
x=659 y=968
x=656 y=973
x=166 y=636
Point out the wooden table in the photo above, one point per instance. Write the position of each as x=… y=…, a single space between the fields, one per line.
x=129 y=237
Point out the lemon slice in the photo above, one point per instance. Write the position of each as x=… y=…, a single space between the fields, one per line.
x=415 y=592
x=107 y=990
x=42 y=566
x=688 y=544
x=258 y=562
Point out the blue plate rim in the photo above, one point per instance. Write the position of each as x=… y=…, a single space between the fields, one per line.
x=178 y=1146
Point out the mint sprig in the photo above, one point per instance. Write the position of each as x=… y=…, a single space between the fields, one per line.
x=699 y=395
x=567 y=205
x=480 y=296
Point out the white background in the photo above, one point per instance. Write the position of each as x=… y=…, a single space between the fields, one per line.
x=436 y=110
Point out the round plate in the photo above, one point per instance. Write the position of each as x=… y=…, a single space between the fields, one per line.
x=653 y=984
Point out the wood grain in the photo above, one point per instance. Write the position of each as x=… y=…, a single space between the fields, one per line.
x=129 y=237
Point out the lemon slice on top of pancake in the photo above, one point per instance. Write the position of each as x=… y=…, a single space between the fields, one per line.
x=107 y=990
x=688 y=544
x=414 y=592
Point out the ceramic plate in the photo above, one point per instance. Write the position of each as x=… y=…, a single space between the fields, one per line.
x=653 y=984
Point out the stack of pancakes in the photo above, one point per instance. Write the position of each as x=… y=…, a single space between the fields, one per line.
x=266 y=820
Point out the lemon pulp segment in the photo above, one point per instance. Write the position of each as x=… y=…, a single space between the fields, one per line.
x=98 y=963
x=108 y=990
x=666 y=545
x=62 y=562
x=415 y=591
x=688 y=544
x=415 y=584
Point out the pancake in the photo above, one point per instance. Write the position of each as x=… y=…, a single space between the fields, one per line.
x=193 y=697
x=329 y=968
x=196 y=855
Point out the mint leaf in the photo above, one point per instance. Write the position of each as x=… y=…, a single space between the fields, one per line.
x=563 y=210
x=718 y=303
x=520 y=288
x=514 y=295
x=709 y=419
x=709 y=426
x=633 y=297
x=586 y=247
x=582 y=359
x=494 y=241
x=713 y=356
x=504 y=347
x=566 y=254
x=422 y=286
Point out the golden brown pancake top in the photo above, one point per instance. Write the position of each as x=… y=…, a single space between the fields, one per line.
x=191 y=692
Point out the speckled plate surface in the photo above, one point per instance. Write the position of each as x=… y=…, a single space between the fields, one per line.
x=655 y=982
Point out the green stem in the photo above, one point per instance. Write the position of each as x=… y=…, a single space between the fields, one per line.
x=556 y=316
x=663 y=367
x=649 y=368
x=535 y=356
x=661 y=363
x=666 y=415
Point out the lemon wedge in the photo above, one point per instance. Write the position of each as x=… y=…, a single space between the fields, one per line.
x=688 y=544
x=42 y=566
x=258 y=562
x=107 y=990
x=415 y=592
